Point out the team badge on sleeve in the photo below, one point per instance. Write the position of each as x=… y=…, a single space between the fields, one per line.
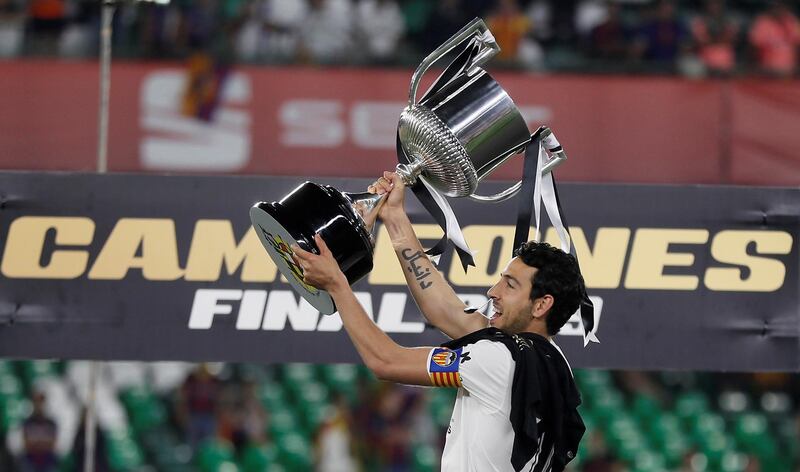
x=443 y=367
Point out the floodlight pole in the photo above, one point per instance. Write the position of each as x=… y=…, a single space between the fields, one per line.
x=105 y=84
x=106 y=28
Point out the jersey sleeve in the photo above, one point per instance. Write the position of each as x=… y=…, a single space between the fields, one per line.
x=487 y=371
x=484 y=369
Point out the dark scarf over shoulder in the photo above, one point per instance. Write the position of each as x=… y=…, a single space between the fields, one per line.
x=544 y=388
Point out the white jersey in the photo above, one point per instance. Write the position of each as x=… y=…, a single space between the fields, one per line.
x=480 y=437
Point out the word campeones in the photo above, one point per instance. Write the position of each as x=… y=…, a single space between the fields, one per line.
x=42 y=247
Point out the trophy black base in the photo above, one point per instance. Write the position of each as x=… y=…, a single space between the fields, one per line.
x=309 y=209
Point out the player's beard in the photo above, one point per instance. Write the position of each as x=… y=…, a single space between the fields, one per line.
x=518 y=321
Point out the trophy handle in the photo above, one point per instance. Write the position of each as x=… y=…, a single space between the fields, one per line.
x=546 y=136
x=475 y=28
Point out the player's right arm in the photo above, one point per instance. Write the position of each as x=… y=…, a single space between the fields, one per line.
x=435 y=298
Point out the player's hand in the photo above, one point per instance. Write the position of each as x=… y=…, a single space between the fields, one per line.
x=392 y=184
x=321 y=271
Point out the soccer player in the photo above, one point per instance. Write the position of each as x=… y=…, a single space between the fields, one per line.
x=516 y=407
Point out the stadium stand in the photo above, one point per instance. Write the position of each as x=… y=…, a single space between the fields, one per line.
x=637 y=421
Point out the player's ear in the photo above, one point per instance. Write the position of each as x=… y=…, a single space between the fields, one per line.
x=541 y=306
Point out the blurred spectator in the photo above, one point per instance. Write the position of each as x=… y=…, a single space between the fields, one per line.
x=381 y=25
x=416 y=14
x=157 y=29
x=326 y=34
x=252 y=418
x=197 y=405
x=81 y=30
x=396 y=427
x=333 y=446
x=198 y=27
x=206 y=79
x=540 y=14
x=563 y=21
x=641 y=383
x=714 y=34
x=599 y=458
x=445 y=20
x=775 y=36
x=589 y=14
x=611 y=39
x=230 y=419
x=662 y=39
x=12 y=28
x=510 y=28
x=39 y=433
x=271 y=31
x=46 y=21
x=753 y=464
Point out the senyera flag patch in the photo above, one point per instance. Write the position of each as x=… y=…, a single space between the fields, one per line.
x=443 y=367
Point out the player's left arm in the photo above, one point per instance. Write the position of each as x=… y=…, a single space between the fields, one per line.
x=384 y=357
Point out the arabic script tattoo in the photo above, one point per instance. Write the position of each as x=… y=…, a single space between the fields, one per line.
x=420 y=273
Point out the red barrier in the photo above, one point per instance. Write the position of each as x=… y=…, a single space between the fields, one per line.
x=765 y=133
x=341 y=122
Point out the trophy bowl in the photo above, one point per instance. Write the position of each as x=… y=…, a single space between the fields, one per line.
x=309 y=209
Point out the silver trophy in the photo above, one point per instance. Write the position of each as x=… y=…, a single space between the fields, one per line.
x=466 y=125
x=463 y=128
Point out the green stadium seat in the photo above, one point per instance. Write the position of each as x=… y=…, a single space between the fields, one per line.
x=787 y=433
x=776 y=404
x=699 y=462
x=6 y=367
x=272 y=395
x=705 y=424
x=424 y=458
x=228 y=466
x=34 y=370
x=593 y=383
x=314 y=415
x=733 y=402
x=733 y=461
x=690 y=405
x=715 y=444
x=313 y=392
x=145 y=410
x=646 y=408
x=364 y=373
x=213 y=454
x=663 y=427
x=752 y=433
x=253 y=373
x=13 y=410
x=440 y=408
x=294 y=452
x=10 y=385
x=341 y=379
x=124 y=454
x=750 y=425
x=648 y=461
x=673 y=449
x=258 y=458
x=282 y=422
x=67 y=463
x=666 y=434
x=607 y=405
x=624 y=436
x=299 y=372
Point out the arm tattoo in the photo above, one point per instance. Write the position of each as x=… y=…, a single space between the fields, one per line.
x=420 y=273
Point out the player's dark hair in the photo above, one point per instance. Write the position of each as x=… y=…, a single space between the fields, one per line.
x=558 y=275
